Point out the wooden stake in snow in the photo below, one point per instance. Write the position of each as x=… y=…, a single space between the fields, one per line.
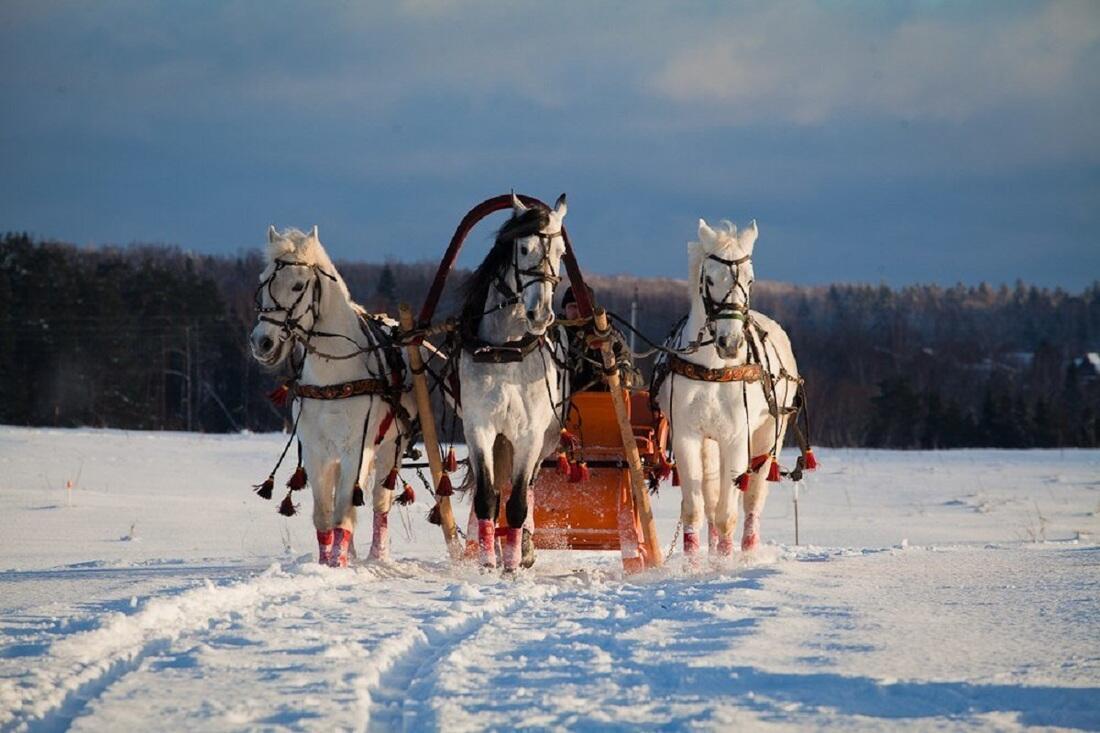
x=796 y=485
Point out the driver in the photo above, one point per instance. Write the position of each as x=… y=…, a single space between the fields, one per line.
x=587 y=363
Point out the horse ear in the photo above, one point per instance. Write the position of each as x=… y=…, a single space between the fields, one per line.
x=560 y=207
x=706 y=234
x=272 y=235
x=517 y=206
x=313 y=233
x=748 y=235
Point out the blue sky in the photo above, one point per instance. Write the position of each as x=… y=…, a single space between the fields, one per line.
x=873 y=142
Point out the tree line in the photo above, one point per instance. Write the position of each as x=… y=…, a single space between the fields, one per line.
x=152 y=337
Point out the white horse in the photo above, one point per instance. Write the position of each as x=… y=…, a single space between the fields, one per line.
x=351 y=402
x=510 y=384
x=729 y=395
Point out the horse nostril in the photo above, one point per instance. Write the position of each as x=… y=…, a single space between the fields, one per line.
x=530 y=315
x=266 y=343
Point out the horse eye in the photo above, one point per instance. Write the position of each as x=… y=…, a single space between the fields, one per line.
x=523 y=250
x=710 y=280
x=298 y=287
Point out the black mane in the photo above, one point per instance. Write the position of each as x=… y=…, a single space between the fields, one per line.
x=476 y=290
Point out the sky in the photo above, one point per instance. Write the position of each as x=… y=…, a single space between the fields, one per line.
x=872 y=141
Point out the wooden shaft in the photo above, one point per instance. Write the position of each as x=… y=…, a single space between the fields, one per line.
x=630 y=447
x=431 y=438
x=796 y=515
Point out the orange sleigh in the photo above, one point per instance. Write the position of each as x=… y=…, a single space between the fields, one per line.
x=597 y=513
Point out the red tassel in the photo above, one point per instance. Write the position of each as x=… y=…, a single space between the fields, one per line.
x=450 y=463
x=434 y=516
x=357 y=498
x=568 y=439
x=743 y=481
x=279 y=395
x=664 y=468
x=391 y=480
x=811 y=462
x=675 y=476
x=287 y=507
x=408 y=496
x=297 y=480
x=445 y=488
x=579 y=473
x=758 y=462
x=265 y=489
x=563 y=464
x=773 y=472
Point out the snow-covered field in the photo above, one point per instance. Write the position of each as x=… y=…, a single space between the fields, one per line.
x=951 y=590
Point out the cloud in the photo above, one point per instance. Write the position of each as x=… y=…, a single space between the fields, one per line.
x=807 y=64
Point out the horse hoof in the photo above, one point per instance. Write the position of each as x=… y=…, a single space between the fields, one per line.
x=750 y=542
x=528 y=549
x=341 y=541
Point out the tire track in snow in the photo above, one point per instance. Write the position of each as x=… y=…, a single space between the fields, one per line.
x=80 y=668
x=402 y=673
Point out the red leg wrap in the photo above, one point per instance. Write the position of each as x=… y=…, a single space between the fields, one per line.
x=513 y=548
x=380 y=539
x=486 y=542
x=341 y=541
x=324 y=546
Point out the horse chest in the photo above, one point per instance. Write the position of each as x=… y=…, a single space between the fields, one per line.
x=513 y=399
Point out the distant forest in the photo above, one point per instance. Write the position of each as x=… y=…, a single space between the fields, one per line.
x=154 y=338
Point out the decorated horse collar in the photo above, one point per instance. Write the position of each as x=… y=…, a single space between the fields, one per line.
x=740 y=373
x=355 y=388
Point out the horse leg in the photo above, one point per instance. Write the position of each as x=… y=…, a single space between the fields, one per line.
x=381 y=502
x=344 y=511
x=763 y=439
x=711 y=487
x=322 y=475
x=725 y=514
x=486 y=497
x=688 y=450
x=517 y=548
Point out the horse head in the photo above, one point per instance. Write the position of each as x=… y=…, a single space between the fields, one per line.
x=521 y=270
x=721 y=265
x=288 y=299
x=536 y=258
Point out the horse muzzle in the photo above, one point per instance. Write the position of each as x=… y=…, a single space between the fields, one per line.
x=266 y=348
x=727 y=347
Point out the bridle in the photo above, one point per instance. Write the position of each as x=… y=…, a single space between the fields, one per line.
x=289 y=324
x=525 y=277
x=724 y=309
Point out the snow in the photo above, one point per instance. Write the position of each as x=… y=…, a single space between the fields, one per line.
x=949 y=590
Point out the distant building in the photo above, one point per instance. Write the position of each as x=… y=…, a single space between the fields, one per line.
x=1088 y=366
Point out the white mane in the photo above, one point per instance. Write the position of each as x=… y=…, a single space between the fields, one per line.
x=723 y=240
x=298 y=246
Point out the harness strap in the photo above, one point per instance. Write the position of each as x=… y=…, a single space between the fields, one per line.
x=740 y=373
x=355 y=388
x=509 y=352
